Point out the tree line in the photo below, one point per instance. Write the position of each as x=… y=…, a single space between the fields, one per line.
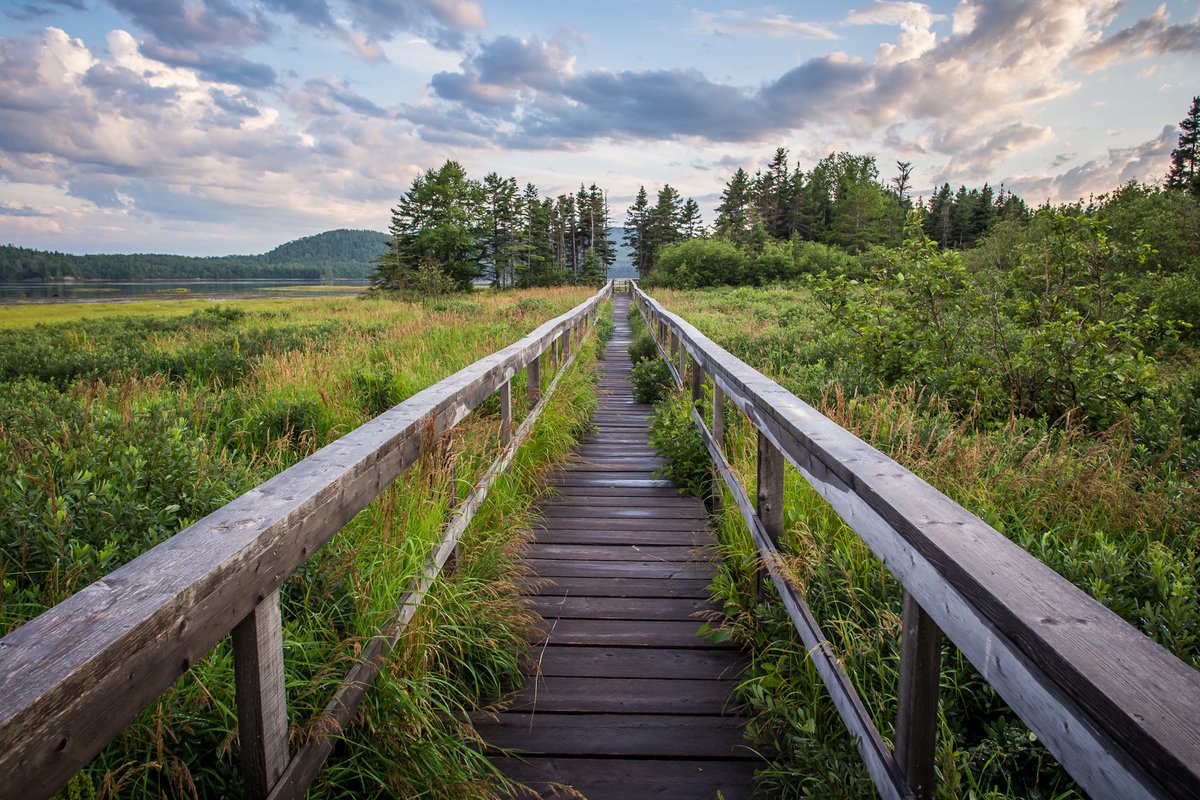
x=333 y=254
x=448 y=231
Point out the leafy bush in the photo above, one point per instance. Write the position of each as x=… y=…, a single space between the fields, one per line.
x=642 y=348
x=1059 y=335
x=698 y=262
x=676 y=439
x=651 y=381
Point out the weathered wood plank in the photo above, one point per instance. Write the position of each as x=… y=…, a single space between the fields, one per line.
x=917 y=695
x=618 y=587
x=690 y=512
x=261 y=697
x=620 y=779
x=644 y=736
x=551 y=535
x=624 y=696
x=571 y=568
x=619 y=553
x=621 y=524
x=627 y=662
x=625 y=633
x=659 y=608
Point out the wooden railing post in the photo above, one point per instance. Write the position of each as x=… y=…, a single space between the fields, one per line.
x=917 y=696
x=261 y=697
x=566 y=344
x=697 y=383
x=770 y=500
x=533 y=373
x=718 y=432
x=506 y=413
x=683 y=361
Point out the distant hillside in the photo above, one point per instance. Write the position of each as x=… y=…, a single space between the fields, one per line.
x=334 y=254
x=623 y=268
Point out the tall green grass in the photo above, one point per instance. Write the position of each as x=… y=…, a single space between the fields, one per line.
x=107 y=452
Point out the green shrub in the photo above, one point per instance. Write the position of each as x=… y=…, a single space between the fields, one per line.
x=642 y=348
x=651 y=380
x=676 y=439
x=699 y=262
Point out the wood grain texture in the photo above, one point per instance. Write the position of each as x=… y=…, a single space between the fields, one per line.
x=1118 y=711
x=261 y=697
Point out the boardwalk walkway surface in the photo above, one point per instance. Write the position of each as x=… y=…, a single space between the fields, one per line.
x=629 y=702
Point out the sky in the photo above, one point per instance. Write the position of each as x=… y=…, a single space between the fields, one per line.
x=209 y=127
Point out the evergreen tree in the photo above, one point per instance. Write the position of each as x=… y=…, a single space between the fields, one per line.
x=690 y=223
x=734 y=215
x=664 y=221
x=435 y=222
x=772 y=194
x=1185 y=159
x=636 y=221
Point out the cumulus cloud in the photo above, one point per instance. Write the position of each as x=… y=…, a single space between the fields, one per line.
x=141 y=141
x=1151 y=36
x=734 y=22
x=915 y=21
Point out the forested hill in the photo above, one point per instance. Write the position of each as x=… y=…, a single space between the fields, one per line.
x=334 y=254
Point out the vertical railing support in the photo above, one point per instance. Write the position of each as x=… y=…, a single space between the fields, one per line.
x=506 y=413
x=718 y=432
x=683 y=362
x=916 y=717
x=697 y=384
x=533 y=373
x=261 y=697
x=770 y=500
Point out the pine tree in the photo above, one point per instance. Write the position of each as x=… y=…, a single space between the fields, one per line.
x=1185 y=159
x=691 y=224
x=435 y=222
x=636 y=220
x=664 y=221
x=734 y=215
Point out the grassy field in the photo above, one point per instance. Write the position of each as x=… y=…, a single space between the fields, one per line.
x=119 y=429
x=1114 y=511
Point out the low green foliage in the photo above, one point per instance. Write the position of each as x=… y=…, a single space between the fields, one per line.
x=651 y=381
x=676 y=439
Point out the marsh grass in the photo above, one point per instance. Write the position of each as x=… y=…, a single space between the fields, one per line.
x=104 y=462
x=1118 y=519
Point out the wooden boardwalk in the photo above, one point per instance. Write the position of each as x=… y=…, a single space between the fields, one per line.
x=629 y=702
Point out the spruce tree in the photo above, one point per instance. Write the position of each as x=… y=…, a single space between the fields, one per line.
x=1185 y=159
x=635 y=232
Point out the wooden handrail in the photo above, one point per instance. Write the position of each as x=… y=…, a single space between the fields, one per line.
x=73 y=677
x=1119 y=712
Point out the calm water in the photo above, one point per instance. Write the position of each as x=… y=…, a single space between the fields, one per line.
x=100 y=291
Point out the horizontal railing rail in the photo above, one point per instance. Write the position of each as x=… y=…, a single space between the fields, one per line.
x=74 y=677
x=1119 y=712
